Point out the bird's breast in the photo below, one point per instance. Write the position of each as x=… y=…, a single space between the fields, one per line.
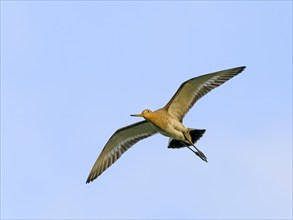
x=166 y=124
x=160 y=120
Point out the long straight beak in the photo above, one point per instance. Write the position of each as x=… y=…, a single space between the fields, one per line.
x=137 y=115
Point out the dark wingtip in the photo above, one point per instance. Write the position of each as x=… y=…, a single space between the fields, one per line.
x=241 y=68
x=90 y=179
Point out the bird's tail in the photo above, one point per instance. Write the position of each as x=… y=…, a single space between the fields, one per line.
x=195 y=134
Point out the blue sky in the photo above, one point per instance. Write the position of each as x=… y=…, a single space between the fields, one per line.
x=73 y=71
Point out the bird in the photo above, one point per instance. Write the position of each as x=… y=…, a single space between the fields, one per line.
x=167 y=121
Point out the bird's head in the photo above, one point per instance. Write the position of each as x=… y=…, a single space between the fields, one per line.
x=145 y=113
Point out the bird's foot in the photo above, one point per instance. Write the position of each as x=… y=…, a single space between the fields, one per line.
x=199 y=154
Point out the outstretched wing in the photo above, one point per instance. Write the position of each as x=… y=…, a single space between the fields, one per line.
x=120 y=142
x=192 y=90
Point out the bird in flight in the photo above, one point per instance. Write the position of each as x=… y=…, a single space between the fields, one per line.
x=166 y=120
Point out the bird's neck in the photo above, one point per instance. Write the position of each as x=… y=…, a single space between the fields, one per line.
x=158 y=118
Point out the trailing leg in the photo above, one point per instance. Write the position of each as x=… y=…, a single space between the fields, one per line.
x=198 y=152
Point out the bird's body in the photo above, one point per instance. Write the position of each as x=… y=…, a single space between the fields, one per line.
x=167 y=121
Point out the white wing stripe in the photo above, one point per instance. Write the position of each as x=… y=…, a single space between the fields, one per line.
x=117 y=151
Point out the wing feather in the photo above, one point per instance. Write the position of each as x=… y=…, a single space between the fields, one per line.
x=118 y=143
x=192 y=90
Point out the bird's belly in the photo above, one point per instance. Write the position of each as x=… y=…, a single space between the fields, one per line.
x=172 y=129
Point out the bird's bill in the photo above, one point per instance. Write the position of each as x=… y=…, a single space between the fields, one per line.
x=137 y=115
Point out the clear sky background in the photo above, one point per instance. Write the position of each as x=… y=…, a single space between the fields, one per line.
x=72 y=72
